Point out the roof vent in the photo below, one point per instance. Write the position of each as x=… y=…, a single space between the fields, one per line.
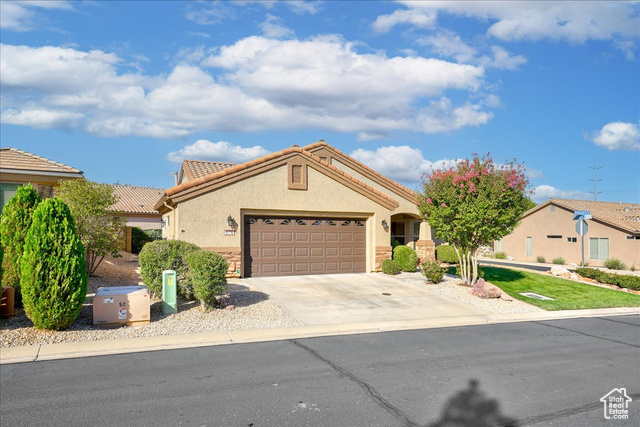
x=296 y=145
x=626 y=209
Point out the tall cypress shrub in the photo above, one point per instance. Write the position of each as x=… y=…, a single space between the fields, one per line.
x=14 y=225
x=54 y=271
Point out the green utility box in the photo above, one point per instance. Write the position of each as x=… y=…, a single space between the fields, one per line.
x=169 y=292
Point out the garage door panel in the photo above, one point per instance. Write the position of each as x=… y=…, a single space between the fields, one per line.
x=288 y=246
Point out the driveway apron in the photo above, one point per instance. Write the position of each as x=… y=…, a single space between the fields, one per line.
x=357 y=298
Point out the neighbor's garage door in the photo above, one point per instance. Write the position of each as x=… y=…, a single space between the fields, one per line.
x=288 y=246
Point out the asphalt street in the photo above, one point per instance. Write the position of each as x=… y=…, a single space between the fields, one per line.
x=522 y=266
x=545 y=373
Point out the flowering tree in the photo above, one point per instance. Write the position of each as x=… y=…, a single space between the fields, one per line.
x=473 y=204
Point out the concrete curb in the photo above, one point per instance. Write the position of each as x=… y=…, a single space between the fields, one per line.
x=71 y=350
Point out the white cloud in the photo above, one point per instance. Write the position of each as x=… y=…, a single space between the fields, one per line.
x=304 y=7
x=536 y=20
x=502 y=59
x=210 y=13
x=407 y=164
x=416 y=17
x=221 y=151
x=258 y=84
x=545 y=192
x=26 y=16
x=272 y=27
x=449 y=45
x=618 y=136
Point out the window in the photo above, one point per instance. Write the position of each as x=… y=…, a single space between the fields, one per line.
x=633 y=237
x=528 y=242
x=572 y=239
x=554 y=236
x=598 y=248
x=7 y=191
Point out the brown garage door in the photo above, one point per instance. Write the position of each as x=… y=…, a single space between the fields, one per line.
x=289 y=246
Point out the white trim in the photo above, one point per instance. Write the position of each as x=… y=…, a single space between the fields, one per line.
x=41 y=173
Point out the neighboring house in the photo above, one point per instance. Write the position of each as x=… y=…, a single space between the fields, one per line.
x=549 y=230
x=19 y=168
x=137 y=205
x=310 y=210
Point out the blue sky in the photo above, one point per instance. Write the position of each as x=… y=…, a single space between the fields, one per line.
x=125 y=90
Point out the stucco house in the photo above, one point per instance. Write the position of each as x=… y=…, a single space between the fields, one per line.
x=549 y=230
x=18 y=167
x=309 y=210
x=136 y=204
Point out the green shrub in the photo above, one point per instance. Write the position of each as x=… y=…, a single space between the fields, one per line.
x=624 y=281
x=432 y=271
x=406 y=258
x=394 y=244
x=155 y=257
x=615 y=264
x=559 y=260
x=207 y=271
x=139 y=238
x=54 y=271
x=389 y=266
x=541 y=259
x=446 y=253
x=14 y=225
x=500 y=255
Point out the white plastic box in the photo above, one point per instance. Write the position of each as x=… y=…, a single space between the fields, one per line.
x=117 y=305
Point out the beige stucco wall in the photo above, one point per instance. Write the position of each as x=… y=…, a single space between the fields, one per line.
x=560 y=222
x=144 y=222
x=203 y=219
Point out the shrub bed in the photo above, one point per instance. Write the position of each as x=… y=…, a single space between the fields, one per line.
x=207 y=274
x=155 y=257
x=432 y=271
x=624 y=281
x=446 y=253
x=615 y=264
x=389 y=266
x=406 y=258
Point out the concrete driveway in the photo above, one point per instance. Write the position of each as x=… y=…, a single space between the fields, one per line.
x=357 y=298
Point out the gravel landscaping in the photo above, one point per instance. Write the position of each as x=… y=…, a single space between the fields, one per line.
x=451 y=287
x=252 y=310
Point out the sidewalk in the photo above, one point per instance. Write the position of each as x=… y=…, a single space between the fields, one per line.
x=135 y=345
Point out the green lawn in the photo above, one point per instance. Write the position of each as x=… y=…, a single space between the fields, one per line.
x=568 y=295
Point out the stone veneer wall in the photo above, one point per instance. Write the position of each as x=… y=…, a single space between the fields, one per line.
x=382 y=253
x=426 y=250
x=233 y=256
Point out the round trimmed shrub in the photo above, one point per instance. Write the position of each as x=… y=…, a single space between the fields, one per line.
x=446 y=253
x=155 y=257
x=54 y=271
x=406 y=258
x=207 y=272
x=432 y=271
x=14 y=225
x=389 y=266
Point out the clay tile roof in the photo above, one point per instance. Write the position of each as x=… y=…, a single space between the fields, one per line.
x=322 y=143
x=12 y=158
x=194 y=169
x=623 y=215
x=136 y=200
x=237 y=168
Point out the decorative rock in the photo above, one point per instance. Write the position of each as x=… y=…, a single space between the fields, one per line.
x=485 y=290
x=230 y=307
x=509 y=258
x=556 y=270
x=573 y=264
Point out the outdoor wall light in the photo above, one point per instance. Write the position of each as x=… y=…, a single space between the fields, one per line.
x=230 y=221
x=384 y=223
